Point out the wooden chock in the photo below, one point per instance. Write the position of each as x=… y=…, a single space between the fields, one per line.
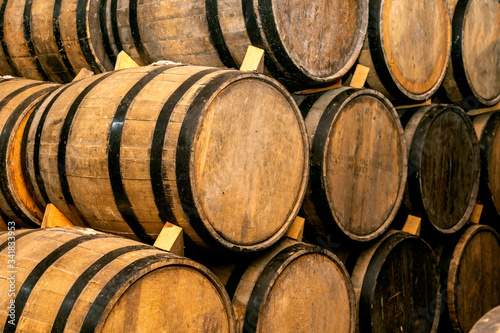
x=171 y=239
x=83 y=74
x=412 y=225
x=360 y=76
x=296 y=231
x=123 y=60
x=254 y=60
x=335 y=85
x=54 y=218
x=476 y=214
x=3 y=225
x=427 y=102
x=477 y=112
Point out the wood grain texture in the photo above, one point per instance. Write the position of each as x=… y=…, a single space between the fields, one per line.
x=474 y=75
x=358 y=163
x=471 y=269
x=306 y=44
x=408 y=47
x=443 y=165
x=397 y=286
x=80 y=280
x=489 y=323
x=223 y=154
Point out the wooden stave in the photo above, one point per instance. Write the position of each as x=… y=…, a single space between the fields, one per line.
x=314 y=206
x=115 y=253
x=488 y=323
x=22 y=101
x=411 y=119
x=40 y=126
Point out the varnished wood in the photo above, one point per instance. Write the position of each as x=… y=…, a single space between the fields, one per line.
x=489 y=323
x=82 y=281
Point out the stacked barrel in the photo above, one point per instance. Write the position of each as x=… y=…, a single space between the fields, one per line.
x=391 y=171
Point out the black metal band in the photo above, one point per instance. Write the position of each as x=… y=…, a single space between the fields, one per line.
x=83 y=37
x=29 y=42
x=136 y=33
x=308 y=103
x=5 y=48
x=114 y=25
x=104 y=28
x=217 y=36
x=5 y=244
x=56 y=29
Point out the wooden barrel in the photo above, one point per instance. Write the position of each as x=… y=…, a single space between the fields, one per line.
x=83 y=281
x=293 y=287
x=18 y=98
x=470 y=269
x=358 y=162
x=306 y=43
x=443 y=165
x=473 y=78
x=488 y=131
x=489 y=323
x=51 y=40
x=397 y=286
x=407 y=47
x=222 y=153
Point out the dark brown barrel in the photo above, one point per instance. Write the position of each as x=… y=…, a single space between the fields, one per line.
x=51 y=40
x=306 y=43
x=358 y=163
x=407 y=47
x=488 y=131
x=293 y=287
x=489 y=323
x=397 y=286
x=221 y=153
x=470 y=269
x=473 y=78
x=18 y=100
x=83 y=281
x=443 y=165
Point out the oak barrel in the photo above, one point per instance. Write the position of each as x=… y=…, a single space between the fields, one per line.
x=397 y=285
x=407 y=47
x=51 y=40
x=443 y=165
x=306 y=43
x=358 y=162
x=293 y=287
x=473 y=78
x=18 y=100
x=470 y=269
x=221 y=153
x=488 y=131
x=489 y=323
x=83 y=281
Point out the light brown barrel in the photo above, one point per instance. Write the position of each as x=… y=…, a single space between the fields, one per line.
x=222 y=153
x=407 y=47
x=397 y=286
x=293 y=287
x=51 y=40
x=473 y=77
x=489 y=323
x=83 y=281
x=306 y=43
x=18 y=100
x=443 y=165
x=358 y=163
x=487 y=128
x=470 y=270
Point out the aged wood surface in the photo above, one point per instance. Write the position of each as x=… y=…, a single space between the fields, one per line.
x=489 y=323
x=82 y=281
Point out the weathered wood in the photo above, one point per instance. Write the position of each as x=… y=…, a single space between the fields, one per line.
x=473 y=77
x=443 y=165
x=358 y=163
x=337 y=84
x=18 y=101
x=51 y=39
x=489 y=323
x=470 y=269
x=54 y=218
x=293 y=287
x=83 y=281
x=221 y=153
x=306 y=43
x=407 y=47
x=397 y=286
x=487 y=128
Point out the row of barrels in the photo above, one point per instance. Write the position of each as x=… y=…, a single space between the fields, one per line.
x=411 y=48
x=82 y=280
x=225 y=155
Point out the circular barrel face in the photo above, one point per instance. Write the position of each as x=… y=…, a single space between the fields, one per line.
x=473 y=277
x=490 y=322
x=322 y=38
x=249 y=175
